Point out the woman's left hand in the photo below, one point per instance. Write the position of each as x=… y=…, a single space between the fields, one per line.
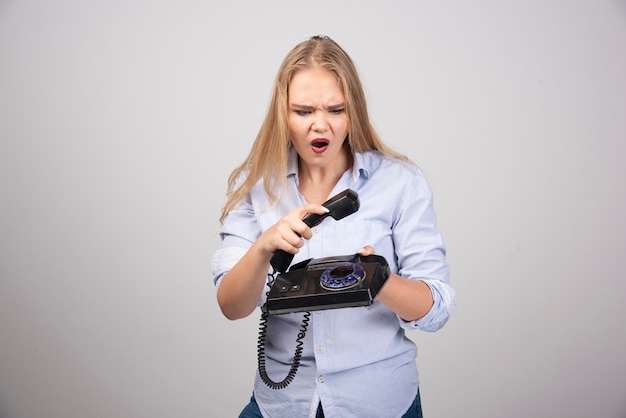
x=410 y=299
x=367 y=250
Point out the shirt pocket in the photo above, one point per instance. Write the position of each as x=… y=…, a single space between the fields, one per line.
x=351 y=236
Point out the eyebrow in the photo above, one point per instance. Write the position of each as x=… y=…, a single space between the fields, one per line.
x=307 y=107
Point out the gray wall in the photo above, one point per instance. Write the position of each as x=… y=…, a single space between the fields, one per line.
x=120 y=121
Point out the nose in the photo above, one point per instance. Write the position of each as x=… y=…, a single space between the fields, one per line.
x=320 y=124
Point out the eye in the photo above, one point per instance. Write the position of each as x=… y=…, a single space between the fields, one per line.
x=337 y=111
x=302 y=112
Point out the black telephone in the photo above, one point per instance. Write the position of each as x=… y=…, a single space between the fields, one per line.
x=328 y=283
x=318 y=284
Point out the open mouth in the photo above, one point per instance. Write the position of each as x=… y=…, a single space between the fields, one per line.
x=319 y=144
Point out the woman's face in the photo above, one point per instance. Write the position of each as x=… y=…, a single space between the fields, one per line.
x=318 y=123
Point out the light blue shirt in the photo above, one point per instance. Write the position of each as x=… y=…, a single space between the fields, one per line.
x=356 y=361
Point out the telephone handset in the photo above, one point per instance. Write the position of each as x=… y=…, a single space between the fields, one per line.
x=339 y=206
x=317 y=284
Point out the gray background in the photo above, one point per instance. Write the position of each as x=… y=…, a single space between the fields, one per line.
x=120 y=121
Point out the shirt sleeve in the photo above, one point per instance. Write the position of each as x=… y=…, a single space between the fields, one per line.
x=239 y=231
x=421 y=252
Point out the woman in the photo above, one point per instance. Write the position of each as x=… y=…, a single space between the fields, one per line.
x=316 y=141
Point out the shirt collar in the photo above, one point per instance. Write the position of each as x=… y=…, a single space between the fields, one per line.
x=292 y=162
x=359 y=168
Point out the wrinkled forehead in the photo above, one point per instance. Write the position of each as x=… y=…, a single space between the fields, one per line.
x=315 y=86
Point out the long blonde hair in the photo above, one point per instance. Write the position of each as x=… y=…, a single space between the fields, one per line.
x=267 y=159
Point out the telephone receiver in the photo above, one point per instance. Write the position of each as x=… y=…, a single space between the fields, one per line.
x=339 y=206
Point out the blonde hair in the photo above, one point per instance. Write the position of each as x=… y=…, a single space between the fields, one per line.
x=267 y=159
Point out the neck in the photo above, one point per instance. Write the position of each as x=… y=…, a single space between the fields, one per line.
x=316 y=183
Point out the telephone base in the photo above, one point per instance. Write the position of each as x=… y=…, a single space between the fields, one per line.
x=355 y=281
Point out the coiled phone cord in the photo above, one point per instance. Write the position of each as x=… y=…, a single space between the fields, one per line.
x=297 y=356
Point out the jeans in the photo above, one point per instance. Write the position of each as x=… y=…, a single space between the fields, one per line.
x=252 y=409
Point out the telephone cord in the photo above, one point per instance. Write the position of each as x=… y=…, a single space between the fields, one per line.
x=297 y=357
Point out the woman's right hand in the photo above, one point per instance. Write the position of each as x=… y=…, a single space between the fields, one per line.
x=241 y=287
x=288 y=233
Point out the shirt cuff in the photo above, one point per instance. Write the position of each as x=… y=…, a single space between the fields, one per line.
x=444 y=298
x=225 y=259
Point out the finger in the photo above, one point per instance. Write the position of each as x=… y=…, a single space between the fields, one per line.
x=295 y=241
x=300 y=227
x=367 y=250
x=311 y=208
x=295 y=229
x=290 y=244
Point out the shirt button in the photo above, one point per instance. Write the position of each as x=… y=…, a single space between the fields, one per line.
x=316 y=230
x=320 y=379
x=320 y=349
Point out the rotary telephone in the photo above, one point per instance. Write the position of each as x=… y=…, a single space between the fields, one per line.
x=318 y=284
